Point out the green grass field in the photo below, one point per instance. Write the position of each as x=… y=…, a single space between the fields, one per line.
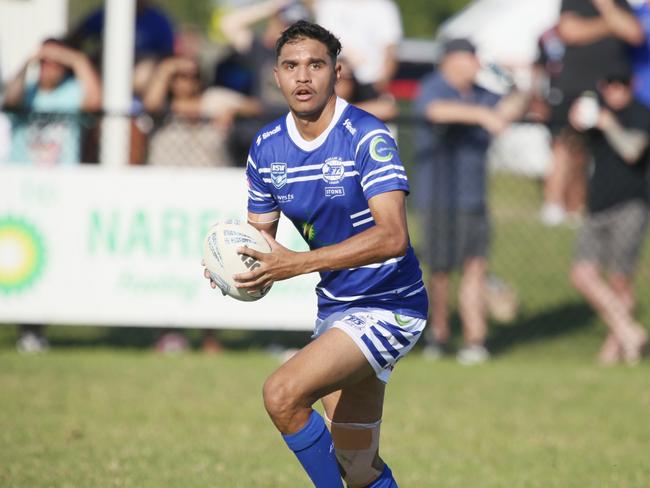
x=540 y=415
x=102 y=410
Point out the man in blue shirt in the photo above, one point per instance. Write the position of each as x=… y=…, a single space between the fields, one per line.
x=335 y=172
x=154 y=33
x=453 y=157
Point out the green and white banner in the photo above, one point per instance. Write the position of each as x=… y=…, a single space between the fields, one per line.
x=89 y=245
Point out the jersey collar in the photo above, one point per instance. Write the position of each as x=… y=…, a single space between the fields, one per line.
x=295 y=136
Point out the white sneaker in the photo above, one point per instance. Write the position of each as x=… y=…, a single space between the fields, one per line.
x=470 y=355
x=552 y=214
x=432 y=351
x=30 y=343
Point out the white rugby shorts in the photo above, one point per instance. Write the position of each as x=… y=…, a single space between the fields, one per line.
x=383 y=336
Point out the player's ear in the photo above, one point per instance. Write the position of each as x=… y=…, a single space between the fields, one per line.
x=337 y=71
x=275 y=74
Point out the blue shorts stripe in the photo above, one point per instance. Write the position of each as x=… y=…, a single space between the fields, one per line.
x=387 y=345
x=373 y=350
x=395 y=332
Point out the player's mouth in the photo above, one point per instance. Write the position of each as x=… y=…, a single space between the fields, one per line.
x=303 y=94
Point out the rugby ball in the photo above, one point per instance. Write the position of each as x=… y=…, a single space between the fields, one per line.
x=222 y=261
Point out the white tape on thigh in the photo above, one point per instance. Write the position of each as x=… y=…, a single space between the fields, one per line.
x=357 y=451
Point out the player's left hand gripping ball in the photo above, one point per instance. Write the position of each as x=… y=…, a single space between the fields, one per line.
x=222 y=261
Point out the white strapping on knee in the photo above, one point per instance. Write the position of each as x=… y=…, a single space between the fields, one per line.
x=357 y=451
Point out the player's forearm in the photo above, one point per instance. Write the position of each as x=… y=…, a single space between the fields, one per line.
x=374 y=245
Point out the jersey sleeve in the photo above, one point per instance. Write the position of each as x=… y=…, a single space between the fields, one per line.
x=378 y=163
x=260 y=199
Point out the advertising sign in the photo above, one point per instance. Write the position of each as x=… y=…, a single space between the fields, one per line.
x=93 y=246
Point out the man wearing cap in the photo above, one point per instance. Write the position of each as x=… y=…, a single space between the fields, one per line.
x=611 y=238
x=452 y=153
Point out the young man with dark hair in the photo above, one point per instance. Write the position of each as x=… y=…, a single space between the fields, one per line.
x=335 y=172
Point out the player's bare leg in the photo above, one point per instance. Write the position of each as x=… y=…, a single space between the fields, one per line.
x=327 y=364
x=354 y=414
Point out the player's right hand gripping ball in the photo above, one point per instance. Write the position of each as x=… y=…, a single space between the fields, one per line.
x=222 y=261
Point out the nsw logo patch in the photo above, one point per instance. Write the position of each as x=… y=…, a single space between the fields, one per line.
x=279 y=174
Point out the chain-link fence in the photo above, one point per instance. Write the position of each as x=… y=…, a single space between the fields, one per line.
x=529 y=291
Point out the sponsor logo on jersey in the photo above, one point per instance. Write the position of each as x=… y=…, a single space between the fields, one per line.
x=267 y=134
x=380 y=150
x=288 y=198
x=355 y=321
x=308 y=231
x=334 y=191
x=279 y=174
x=333 y=171
x=402 y=320
x=348 y=125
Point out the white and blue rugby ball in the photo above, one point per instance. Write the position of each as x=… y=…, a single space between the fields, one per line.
x=222 y=261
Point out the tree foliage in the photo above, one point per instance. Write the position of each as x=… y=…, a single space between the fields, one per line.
x=421 y=18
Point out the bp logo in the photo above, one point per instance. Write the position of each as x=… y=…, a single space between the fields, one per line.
x=380 y=150
x=22 y=254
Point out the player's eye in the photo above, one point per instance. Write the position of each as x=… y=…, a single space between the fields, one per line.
x=316 y=66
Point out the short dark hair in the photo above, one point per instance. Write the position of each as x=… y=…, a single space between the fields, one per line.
x=308 y=30
x=623 y=77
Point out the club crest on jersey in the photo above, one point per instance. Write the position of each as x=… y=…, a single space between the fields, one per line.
x=333 y=171
x=279 y=174
x=380 y=150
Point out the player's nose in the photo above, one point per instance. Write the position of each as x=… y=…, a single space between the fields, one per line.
x=303 y=74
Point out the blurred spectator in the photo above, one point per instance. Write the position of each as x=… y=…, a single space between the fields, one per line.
x=610 y=241
x=641 y=54
x=154 y=34
x=5 y=136
x=46 y=124
x=380 y=104
x=595 y=35
x=67 y=84
x=184 y=137
x=453 y=154
x=369 y=31
x=256 y=50
x=192 y=132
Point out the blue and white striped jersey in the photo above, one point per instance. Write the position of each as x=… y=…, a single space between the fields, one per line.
x=323 y=187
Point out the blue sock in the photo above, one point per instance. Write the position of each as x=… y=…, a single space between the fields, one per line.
x=385 y=480
x=313 y=447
